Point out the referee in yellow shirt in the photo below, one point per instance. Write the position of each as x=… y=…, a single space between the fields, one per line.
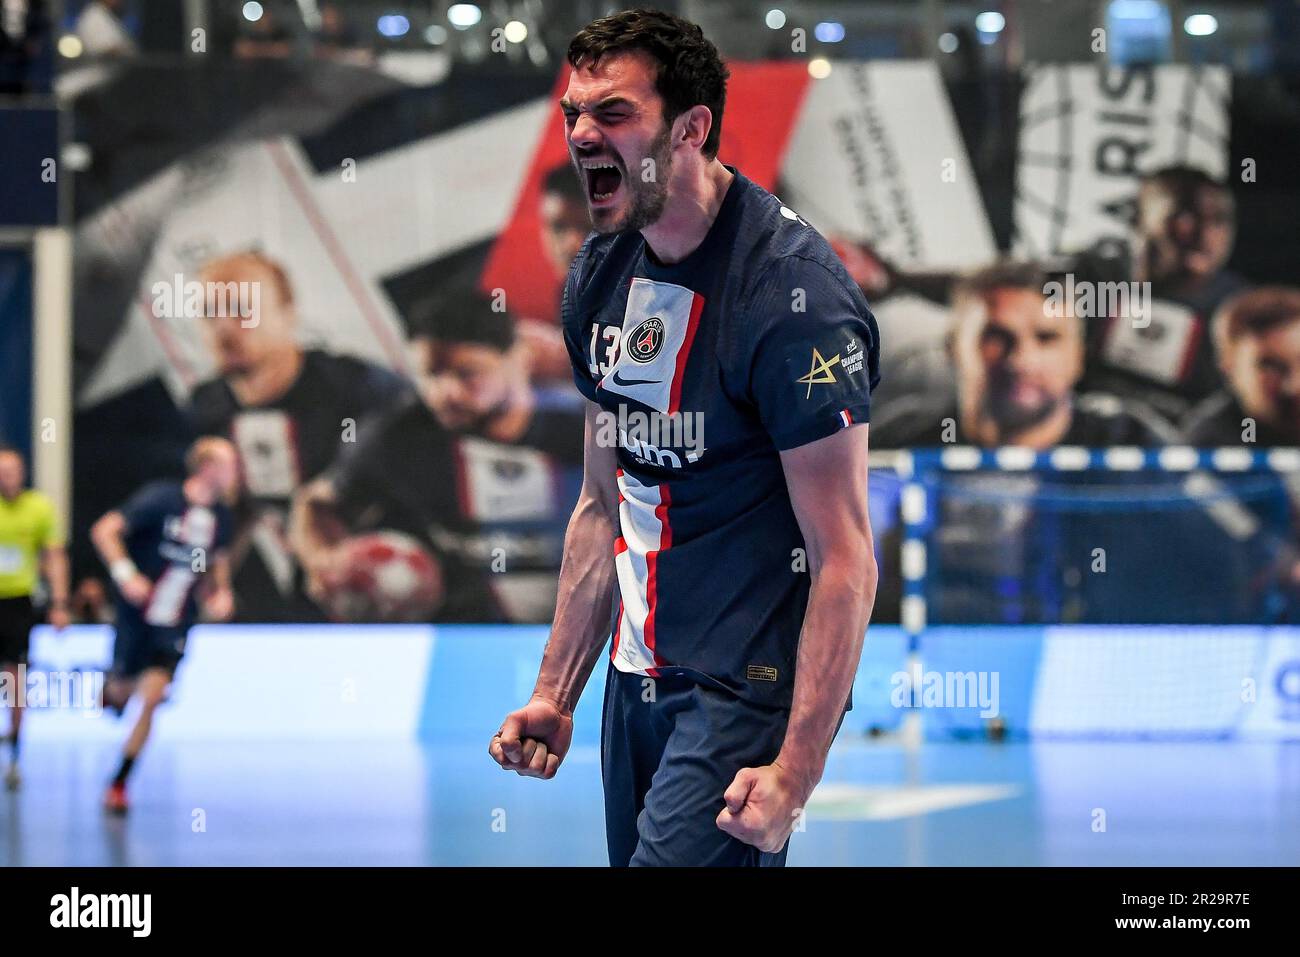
x=30 y=542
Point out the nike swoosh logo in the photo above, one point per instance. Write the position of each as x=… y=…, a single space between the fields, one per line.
x=619 y=380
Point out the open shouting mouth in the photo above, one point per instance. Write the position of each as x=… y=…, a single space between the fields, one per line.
x=604 y=180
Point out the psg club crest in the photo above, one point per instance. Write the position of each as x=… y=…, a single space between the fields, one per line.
x=646 y=340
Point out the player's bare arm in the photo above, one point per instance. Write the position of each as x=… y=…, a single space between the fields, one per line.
x=828 y=489
x=107 y=534
x=312 y=525
x=219 y=600
x=533 y=740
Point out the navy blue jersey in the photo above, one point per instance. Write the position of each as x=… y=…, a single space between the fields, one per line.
x=705 y=370
x=282 y=444
x=469 y=500
x=298 y=435
x=164 y=535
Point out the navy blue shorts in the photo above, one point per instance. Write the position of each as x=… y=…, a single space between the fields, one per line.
x=666 y=764
x=138 y=646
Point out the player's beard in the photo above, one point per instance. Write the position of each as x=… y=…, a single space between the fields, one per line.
x=1286 y=417
x=1172 y=268
x=1014 y=417
x=646 y=200
x=471 y=422
x=232 y=363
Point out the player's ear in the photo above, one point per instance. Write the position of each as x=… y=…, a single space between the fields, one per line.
x=694 y=125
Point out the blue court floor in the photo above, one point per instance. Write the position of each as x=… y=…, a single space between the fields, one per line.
x=407 y=803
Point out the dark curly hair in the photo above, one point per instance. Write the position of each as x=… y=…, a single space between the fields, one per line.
x=691 y=72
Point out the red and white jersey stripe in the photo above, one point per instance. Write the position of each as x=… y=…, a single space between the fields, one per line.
x=195 y=530
x=646 y=532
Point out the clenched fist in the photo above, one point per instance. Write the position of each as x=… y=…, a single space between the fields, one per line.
x=763 y=807
x=533 y=740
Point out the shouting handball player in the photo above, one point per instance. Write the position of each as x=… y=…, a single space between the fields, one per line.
x=721 y=536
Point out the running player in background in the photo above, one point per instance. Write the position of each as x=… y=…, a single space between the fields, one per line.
x=30 y=542
x=166 y=541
